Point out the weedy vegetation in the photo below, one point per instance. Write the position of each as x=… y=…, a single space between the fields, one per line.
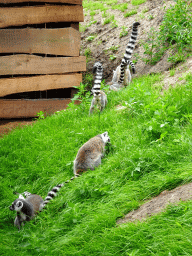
x=175 y=34
x=150 y=151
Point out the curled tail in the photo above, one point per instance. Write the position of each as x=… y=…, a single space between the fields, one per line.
x=128 y=52
x=98 y=70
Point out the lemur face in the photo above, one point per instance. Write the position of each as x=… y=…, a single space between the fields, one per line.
x=17 y=205
x=105 y=137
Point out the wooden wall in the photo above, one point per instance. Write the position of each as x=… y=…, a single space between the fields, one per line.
x=39 y=51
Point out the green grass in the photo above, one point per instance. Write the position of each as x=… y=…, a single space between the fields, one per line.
x=137 y=2
x=151 y=150
x=130 y=13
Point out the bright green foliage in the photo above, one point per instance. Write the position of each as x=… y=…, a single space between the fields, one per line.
x=120 y=7
x=123 y=32
x=175 y=33
x=91 y=38
x=130 y=13
x=108 y=19
x=112 y=57
x=137 y=2
x=150 y=151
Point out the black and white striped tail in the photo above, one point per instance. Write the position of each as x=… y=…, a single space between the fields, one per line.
x=122 y=69
x=128 y=52
x=52 y=193
x=98 y=69
x=54 y=190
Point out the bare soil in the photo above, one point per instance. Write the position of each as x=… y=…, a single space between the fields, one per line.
x=159 y=203
x=8 y=125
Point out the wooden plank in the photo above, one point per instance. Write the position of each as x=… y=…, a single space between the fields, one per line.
x=23 y=64
x=42 y=1
x=38 y=83
x=29 y=108
x=19 y=16
x=75 y=25
x=62 y=41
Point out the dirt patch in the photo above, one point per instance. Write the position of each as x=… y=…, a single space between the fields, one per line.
x=8 y=125
x=159 y=203
x=179 y=74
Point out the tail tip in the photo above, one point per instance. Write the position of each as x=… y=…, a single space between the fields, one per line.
x=135 y=24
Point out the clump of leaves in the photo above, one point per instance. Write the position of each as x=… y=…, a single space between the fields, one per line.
x=112 y=57
x=137 y=2
x=120 y=7
x=109 y=19
x=91 y=38
x=175 y=33
x=130 y=13
x=87 y=53
x=123 y=32
x=83 y=95
x=41 y=115
x=114 y=48
x=88 y=79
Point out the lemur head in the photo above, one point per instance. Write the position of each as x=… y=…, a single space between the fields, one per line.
x=17 y=205
x=105 y=137
x=96 y=66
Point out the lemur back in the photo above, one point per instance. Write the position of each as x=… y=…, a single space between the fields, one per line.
x=28 y=207
x=122 y=74
x=90 y=154
x=99 y=97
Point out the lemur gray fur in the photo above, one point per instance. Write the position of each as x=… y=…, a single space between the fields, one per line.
x=28 y=207
x=122 y=74
x=90 y=154
x=99 y=97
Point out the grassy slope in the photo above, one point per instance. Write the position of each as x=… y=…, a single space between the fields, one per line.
x=151 y=151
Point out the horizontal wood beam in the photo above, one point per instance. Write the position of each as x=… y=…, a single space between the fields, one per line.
x=23 y=64
x=40 y=14
x=62 y=41
x=38 y=83
x=42 y=1
x=30 y=108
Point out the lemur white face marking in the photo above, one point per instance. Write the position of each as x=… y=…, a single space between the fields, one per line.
x=105 y=137
x=18 y=206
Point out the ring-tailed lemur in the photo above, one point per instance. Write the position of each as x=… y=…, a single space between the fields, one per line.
x=122 y=74
x=99 y=97
x=90 y=154
x=28 y=207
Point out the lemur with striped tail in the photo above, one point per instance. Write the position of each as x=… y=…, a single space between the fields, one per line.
x=122 y=74
x=99 y=97
x=27 y=208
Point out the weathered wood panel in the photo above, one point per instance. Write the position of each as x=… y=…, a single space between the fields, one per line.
x=42 y=1
x=63 y=41
x=29 y=108
x=23 y=64
x=40 y=14
x=38 y=83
